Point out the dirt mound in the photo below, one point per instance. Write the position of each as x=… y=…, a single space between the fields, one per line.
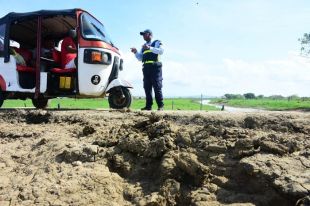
x=142 y=158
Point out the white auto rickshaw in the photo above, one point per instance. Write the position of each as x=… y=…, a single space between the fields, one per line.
x=41 y=78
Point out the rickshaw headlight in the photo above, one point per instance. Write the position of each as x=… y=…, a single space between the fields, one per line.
x=92 y=56
x=105 y=57
x=96 y=56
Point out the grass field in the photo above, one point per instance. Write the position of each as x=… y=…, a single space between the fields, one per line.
x=269 y=104
x=64 y=103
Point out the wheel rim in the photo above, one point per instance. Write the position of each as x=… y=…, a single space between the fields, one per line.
x=118 y=100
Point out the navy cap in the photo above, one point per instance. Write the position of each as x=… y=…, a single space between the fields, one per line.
x=146 y=31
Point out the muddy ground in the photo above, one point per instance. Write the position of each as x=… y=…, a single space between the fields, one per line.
x=164 y=158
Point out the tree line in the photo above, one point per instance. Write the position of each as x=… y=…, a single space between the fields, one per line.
x=273 y=97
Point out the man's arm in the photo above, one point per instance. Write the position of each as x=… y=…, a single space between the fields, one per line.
x=69 y=45
x=70 y=49
x=137 y=54
x=157 y=49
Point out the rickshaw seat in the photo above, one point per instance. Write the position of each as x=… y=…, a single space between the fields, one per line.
x=63 y=71
x=22 y=68
x=26 y=76
x=57 y=58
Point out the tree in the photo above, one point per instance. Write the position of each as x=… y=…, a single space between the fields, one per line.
x=249 y=95
x=233 y=96
x=305 y=44
x=260 y=96
x=228 y=96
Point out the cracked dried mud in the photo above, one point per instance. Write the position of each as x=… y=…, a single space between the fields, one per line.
x=165 y=158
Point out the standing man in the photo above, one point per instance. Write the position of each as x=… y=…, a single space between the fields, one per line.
x=152 y=69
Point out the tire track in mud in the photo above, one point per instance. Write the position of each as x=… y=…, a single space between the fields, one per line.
x=141 y=158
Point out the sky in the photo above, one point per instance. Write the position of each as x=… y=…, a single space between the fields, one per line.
x=211 y=47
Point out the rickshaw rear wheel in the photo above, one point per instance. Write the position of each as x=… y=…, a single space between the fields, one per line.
x=40 y=103
x=1 y=98
x=120 y=98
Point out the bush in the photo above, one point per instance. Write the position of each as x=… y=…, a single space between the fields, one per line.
x=276 y=97
x=293 y=97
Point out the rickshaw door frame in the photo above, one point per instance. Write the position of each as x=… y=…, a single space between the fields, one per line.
x=38 y=60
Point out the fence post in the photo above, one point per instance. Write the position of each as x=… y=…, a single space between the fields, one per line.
x=201 y=102
x=172 y=104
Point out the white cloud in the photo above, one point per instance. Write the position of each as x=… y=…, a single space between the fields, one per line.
x=283 y=76
x=287 y=76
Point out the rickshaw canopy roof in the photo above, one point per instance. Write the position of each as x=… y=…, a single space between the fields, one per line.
x=24 y=16
x=55 y=25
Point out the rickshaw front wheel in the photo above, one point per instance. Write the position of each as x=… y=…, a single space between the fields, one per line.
x=120 y=98
x=40 y=103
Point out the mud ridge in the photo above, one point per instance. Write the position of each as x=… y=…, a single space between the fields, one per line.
x=168 y=158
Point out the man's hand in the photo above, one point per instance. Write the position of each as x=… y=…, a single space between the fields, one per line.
x=146 y=47
x=133 y=50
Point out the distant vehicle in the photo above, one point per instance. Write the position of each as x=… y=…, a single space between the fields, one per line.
x=98 y=61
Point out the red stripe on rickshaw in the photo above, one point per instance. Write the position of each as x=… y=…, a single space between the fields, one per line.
x=97 y=44
x=2 y=84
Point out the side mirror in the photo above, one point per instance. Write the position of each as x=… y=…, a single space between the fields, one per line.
x=121 y=65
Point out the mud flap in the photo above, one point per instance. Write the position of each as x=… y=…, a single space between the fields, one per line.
x=118 y=83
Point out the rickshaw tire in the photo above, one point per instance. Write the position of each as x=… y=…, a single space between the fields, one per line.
x=116 y=102
x=40 y=103
x=1 y=98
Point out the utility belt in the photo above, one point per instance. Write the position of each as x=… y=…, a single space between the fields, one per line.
x=157 y=63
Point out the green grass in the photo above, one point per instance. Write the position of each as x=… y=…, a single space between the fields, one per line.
x=170 y=104
x=269 y=104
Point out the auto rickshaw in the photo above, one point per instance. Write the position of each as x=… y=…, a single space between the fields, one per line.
x=40 y=78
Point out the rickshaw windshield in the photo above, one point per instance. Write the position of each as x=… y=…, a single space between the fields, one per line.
x=2 y=35
x=92 y=29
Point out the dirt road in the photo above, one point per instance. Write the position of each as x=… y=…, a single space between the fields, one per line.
x=143 y=158
x=232 y=109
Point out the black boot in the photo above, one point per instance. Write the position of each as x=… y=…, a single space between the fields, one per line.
x=146 y=109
